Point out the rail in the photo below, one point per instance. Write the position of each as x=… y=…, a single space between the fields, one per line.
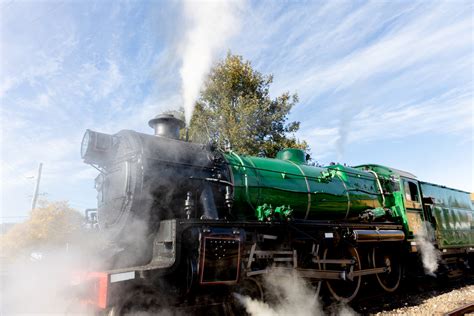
x=466 y=309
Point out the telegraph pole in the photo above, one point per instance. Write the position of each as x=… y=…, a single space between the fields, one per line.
x=36 y=192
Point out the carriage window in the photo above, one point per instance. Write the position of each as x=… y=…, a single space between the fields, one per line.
x=411 y=191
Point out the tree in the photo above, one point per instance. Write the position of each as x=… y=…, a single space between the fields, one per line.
x=52 y=225
x=235 y=106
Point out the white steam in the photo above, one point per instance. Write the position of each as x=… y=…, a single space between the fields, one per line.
x=43 y=285
x=292 y=296
x=209 y=25
x=430 y=256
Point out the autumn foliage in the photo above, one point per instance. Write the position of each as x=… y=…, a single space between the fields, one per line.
x=52 y=225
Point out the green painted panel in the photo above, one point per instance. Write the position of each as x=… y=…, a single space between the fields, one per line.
x=453 y=214
x=312 y=192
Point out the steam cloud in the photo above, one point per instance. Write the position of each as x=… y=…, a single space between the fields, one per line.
x=430 y=256
x=43 y=285
x=293 y=296
x=210 y=25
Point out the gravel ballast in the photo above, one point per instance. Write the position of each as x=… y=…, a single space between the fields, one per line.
x=437 y=305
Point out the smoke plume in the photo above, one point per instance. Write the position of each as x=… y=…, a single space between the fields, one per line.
x=209 y=26
x=430 y=256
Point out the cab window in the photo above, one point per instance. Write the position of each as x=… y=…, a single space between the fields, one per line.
x=411 y=191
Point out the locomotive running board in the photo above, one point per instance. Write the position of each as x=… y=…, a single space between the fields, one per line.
x=293 y=223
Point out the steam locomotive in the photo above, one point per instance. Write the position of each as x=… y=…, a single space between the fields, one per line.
x=191 y=224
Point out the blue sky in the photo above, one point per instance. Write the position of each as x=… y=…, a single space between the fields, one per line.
x=388 y=82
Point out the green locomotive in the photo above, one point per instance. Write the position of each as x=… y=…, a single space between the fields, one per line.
x=192 y=221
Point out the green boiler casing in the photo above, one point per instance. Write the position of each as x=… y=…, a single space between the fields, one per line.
x=329 y=193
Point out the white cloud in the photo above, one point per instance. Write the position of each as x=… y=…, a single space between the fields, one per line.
x=389 y=55
x=112 y=80
x=449 y=113
x=98 y=83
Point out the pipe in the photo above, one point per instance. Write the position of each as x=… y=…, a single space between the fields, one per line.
x=207 y=203
x=373 y=235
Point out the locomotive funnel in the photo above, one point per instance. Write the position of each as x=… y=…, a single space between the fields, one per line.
x=166 y=125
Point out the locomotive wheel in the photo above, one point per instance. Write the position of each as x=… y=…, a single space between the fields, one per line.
x=390 y=280
x=343 y=290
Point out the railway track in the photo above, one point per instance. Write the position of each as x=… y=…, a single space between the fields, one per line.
x=464 y=310
x=412 y=293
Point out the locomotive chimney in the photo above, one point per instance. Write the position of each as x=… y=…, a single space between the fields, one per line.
x=166 y=125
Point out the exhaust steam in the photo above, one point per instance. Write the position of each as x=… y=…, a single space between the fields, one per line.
x=290 y=295
x=430 y=256
x=209 y=26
